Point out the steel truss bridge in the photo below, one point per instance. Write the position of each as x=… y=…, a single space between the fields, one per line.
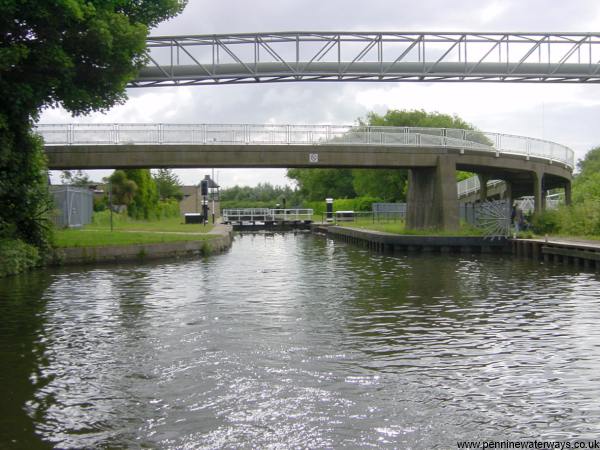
x=371 y=56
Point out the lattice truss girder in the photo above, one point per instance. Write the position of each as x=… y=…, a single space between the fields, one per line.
x=270 y=57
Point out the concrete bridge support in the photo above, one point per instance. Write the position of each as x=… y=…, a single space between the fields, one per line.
x=507 y=195
x=538 y=178
x=568 y=193
x=432 y=196
x=483 y=188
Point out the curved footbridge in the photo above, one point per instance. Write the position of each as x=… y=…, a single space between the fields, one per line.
x=432 y=155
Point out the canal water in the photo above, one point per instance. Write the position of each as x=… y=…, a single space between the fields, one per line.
x=298 y=341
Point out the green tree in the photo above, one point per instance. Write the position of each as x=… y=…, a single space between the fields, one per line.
x=123 y=189
x=317 y=184
x=168 y=185
x=388 y=184
x=586 y=185
x=262 y=195
x=76 y=53
x=145 y=200
x=79 y=178
x=391 y=184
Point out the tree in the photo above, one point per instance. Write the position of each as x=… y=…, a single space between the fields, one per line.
x=389 y=184
x=123 y=189
x=317 y=184
x=586 y=185
x=77 y=179
x=145 y=199
x=264 y=194
x=79 y=54
x=168 y=185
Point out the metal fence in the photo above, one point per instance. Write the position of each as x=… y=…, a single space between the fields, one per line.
x=266 y=215
x=313 y=135
x=74 y=206
x=388 y=210
x=471 y=185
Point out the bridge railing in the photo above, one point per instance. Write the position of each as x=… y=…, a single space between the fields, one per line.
x=471 y=185
x=292 y=214
x=266 y=214
x=243 y=134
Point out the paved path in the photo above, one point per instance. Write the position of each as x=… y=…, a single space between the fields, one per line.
x=568 y=242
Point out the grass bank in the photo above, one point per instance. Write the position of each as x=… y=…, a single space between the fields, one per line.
x=127 y=231
x=103 y=238
x=122 y=222
x=399 y=227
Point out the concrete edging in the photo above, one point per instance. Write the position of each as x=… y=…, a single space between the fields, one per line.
x=393 y=243
x=221 y=242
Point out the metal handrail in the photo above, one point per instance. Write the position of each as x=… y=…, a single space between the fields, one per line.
x=310 y=135
x=471 y=185
x=266 y=214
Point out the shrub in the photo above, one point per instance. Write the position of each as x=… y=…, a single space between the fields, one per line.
x=167 y=208
x=546 y=222
x=16 y=256
x=100 y=203
x=344 y=204
x=582 y=219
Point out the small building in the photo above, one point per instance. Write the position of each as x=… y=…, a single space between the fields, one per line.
x=73 y=206
x=192 y=199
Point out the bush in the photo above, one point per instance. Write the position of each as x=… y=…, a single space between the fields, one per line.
x=547 y=222
x=167 y=208
x=582 y=219
x=241 y=204
x=344 y=204
x=16 y=256
x=100 y=203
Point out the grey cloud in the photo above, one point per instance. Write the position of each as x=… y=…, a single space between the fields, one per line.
x=336 y=102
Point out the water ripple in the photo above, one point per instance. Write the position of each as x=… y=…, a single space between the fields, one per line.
x=297 y=341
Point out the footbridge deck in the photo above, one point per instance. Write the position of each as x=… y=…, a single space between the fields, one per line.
x=432 y=155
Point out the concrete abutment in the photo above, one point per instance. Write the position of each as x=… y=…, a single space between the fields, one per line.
x=432 y=201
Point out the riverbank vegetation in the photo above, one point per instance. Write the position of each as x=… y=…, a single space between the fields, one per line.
x=78 y=54
x=17 y=256
x=582 y=217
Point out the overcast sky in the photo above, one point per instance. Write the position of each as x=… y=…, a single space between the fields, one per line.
x=567 y=114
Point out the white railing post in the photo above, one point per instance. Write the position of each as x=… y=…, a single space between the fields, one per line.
x=116 y=133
